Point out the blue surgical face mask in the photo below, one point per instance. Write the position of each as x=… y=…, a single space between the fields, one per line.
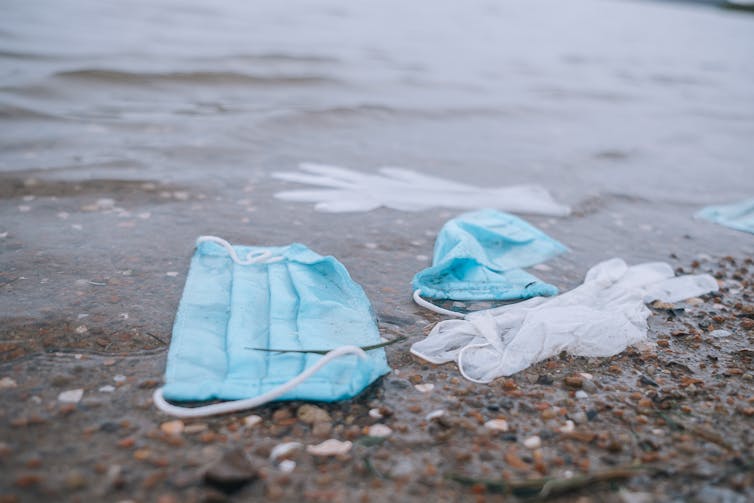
x=479 y=256
x=241 y=302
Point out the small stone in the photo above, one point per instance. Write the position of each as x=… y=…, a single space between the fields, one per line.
x=71 y=396
x=172 y=427
x=331 y=447
x=251 y=421
x=435 y=414
x=282 y=450
x=287 y=465
x=7 y=382
x=497 y=425
x=321 y=429
x=379 y=430
x=171 y=274
x=231 y=472
x=719 y=334
x=75 y=480
x=581 y=395
x=375 y=413
x=193 y=429
x=694 y=301
x=311 y=414
x=81 y=329
x=574 y=381
x=119 y=378
x=533 y=442
x=568 y=427
x=425 y=387
x=107 y=388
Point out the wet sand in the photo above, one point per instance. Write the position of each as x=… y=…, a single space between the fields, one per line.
x=117 y=155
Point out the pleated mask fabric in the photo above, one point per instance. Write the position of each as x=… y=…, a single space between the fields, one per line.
x=480 y=256
x=236 y=312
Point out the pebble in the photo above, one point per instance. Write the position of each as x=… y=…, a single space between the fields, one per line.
x=533 y=442
x=581 y=395
x=424 y=388
x=231 y=472
x=287 y=465
x=71 y=396
x=172 y=427
x=435 y=414
x=497 y=425
x=311 y=414
x=380 y=430
x=7 y=382
x=107 y=388
x=282 y=450
x=331 y=447
x=119 y=378
x=719 y=334
x=375 y=413
x=75 y=480
x=252 y=420
x=193 y=429
x=568 y=427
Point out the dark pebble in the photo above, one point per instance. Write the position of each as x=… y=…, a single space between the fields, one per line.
x=231 y=472
x=591 y=414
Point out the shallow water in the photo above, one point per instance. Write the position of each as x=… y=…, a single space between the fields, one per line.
x=127 y=132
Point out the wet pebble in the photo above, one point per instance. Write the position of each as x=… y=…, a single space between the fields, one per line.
x=719 y=334
x=311 y=414
x=172 y=427
x=231 y=472
x=497 y=425
x=7 y=382
x=425 y=387
x=71 y=396
x=251 y=421
x=533 y=442
x=379 y=430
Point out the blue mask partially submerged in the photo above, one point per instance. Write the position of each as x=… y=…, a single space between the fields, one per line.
x=241 y=302
x=479 y=256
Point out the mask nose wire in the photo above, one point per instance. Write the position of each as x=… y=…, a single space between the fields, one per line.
x=253 y=257
x=248 y=403
x=437 y=309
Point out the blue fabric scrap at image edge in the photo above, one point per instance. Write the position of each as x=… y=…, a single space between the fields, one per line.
x=739 y=216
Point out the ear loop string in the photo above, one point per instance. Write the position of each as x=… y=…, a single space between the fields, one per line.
x=253 y=257
x=248 y=403
x=437 y=309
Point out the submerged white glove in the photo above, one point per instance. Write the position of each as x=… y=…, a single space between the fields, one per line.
x=601 y=317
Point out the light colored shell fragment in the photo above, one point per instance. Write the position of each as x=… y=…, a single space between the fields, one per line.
x=380 y=430
x=284 y=449
x=71 y=396
x=497 y=424
x=331 y=447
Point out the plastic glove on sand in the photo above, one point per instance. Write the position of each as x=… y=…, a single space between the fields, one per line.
x=601 y=317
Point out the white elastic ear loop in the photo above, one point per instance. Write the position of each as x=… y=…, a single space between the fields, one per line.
x=437 y=309
x=460 y=363
x=253 y=257
x=248 y=403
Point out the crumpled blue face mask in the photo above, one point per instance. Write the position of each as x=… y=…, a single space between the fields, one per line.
x=244 y=314
x=479 y=256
